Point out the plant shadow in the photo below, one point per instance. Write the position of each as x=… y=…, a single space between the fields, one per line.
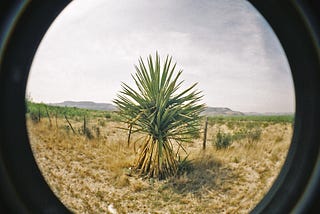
x=202 y=174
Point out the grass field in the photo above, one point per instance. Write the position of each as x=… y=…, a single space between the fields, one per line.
x=91 y=172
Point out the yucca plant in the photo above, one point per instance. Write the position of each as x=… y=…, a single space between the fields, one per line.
x=163 y=111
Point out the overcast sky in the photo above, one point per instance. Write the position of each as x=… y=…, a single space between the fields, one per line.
x=224 y=45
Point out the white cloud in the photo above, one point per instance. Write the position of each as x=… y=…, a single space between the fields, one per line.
x=224 y=45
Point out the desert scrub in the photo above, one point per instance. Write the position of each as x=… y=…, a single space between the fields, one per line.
x=223 y=140
x=163 y=112
x=254 y=135
x=240 y=134
x=108 y=115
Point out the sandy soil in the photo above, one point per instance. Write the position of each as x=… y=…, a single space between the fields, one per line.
x=94 y=176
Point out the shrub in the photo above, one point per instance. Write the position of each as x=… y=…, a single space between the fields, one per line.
x=251 y=135
x=97 y=131
x=34 y=117
x=254 y=135
x=240 y=134
x=108 y=115
x=223 y=140
x=163 y=112
x=184 y=166
x=230 y=125
x=101 y=122
x=88 y=133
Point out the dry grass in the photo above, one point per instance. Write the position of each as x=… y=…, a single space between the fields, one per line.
x=89 y=175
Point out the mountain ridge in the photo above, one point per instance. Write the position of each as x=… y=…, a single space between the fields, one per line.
x=87 y=105
x=209 y=111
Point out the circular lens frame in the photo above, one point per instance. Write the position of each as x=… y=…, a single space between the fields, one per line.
x=22 y=27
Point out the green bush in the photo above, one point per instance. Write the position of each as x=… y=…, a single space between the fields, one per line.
x=97 y=131
x=223 y=140
x=254 y=135
x=240 y=134
x=88 y=133
x=230 y=125
x=108 y=115
x=34 y=116
x=101 y=122
x=184 y=166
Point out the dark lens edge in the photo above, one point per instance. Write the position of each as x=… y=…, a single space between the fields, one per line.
x=297 y=27
x=23 y=188
x=296 y=186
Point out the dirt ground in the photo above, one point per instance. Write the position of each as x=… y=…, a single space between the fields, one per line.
x=95 y=176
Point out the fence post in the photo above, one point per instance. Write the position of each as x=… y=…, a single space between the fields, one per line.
x=65 y=116
x=84 y=125
x=205 y=134
x=129 y=134
x=39 y=114
x=56 y=115
x=48 y=115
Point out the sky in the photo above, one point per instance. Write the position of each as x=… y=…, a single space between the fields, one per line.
x=224 y=45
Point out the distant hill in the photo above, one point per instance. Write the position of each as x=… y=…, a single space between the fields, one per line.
x=87 y=105
x=268 y=113
x=209 y=111
x=214 y=111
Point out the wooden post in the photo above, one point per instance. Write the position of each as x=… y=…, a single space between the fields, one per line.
x=56 y=115
x=48 y=115
x=129 y=135
x=39 y=114
x=65 y=116
x=84 y=125
x=205 y=134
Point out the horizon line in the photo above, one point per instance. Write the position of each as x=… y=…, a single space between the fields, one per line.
x=207 y=106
